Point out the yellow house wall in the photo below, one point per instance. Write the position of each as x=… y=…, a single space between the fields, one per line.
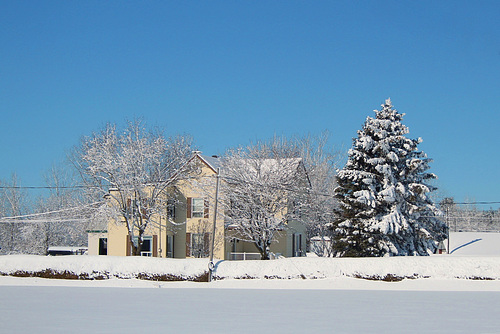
x=283 y=245
x=178 y=231
x=278 y=247
x=117 y=239
x=196 y=225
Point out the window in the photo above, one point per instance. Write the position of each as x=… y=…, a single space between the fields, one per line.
x=171 y=208
x=136 y=205
x=170 y=246
x=103 y=246
x=200 y=244
x=297 y=245
x=147 y=246
x=197 y=208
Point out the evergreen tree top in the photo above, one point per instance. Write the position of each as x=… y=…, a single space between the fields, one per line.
x=388 y=112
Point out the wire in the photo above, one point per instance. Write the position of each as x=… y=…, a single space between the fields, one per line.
x=310 y=192
x=25 y=218
x=35 y=221
x=28 y=218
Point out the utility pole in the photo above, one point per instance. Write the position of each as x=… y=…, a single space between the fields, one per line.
x=160 y=250
x=448 y=224
x=211 y=265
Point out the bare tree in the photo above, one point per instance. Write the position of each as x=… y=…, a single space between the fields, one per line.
x=13 y=203
x=467 y=217
x=60 y=215
x=260 y=182
x=316 y=208
x=133 y=169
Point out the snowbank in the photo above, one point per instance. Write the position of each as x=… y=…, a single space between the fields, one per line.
x=476 y=257
x=101 y=267
x=393 y=268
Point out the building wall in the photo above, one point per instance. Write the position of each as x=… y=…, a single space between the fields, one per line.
x=117 y=239
x=283 y=246
x=294 y=228
x=93 y=241
x=203 y=187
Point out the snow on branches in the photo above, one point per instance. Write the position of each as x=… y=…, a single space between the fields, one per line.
x=133 y=170
x=385 y=208
x=259 y=184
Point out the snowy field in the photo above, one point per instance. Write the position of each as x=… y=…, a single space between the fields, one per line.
x=329 y=299
x=51 y=309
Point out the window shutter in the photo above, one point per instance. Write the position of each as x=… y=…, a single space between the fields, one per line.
x=188 y=244
x=206 y=243
x=205 y=209
x=155 y=245
x=189 y=204
x=129 y=246
x=293 y=244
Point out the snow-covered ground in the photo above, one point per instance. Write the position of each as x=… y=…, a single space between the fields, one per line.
x=41 y=309
x=329 y=299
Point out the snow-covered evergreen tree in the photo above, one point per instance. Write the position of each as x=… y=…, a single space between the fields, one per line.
x=383 y=189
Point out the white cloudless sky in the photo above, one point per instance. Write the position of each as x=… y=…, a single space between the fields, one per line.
x=229 y=72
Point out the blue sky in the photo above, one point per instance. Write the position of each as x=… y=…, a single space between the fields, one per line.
x=229 y=72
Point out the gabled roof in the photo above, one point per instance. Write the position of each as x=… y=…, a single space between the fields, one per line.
x=213 y=162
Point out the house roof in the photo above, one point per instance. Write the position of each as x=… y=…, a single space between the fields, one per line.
x=213 y=162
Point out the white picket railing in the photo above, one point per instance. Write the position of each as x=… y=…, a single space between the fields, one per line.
x=244 y=256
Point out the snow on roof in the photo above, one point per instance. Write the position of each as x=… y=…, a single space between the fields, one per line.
x=213 y=162
x=66 y=248
x=320 y=238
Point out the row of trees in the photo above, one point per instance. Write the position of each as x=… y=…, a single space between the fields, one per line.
x=24 y=230
x=378 y=204
x=467 y=217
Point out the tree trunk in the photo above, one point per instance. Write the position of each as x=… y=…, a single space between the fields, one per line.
x=264 y=252
x=136 y=249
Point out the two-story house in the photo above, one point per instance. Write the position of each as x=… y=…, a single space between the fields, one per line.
x=184 y=229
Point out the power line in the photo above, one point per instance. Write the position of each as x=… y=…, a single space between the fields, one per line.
x=478 y=203
x=80 y=186
x=38 y=217
x=208 y=176
x=35 y=221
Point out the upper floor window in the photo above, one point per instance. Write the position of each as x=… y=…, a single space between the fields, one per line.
x=134 y=206
x=197 y=208
x=171 y=209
